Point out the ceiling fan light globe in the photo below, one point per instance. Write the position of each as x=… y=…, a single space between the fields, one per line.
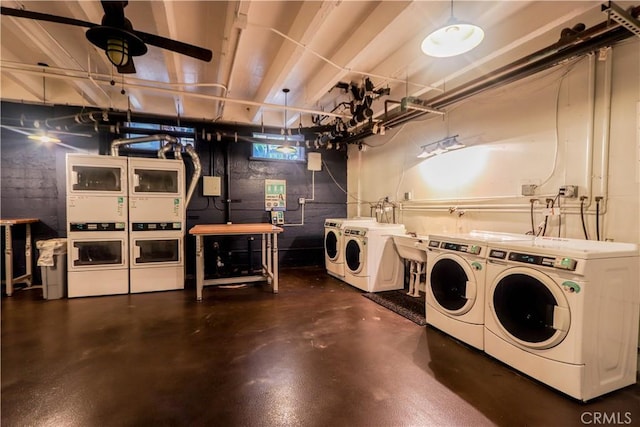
x=118 y=52
x=453 y=39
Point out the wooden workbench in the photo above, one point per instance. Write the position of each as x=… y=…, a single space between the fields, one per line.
x=8 y=252
x=269 y=253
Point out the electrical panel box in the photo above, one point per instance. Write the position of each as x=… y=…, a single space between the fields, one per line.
x=314 y=161
x=211 y=186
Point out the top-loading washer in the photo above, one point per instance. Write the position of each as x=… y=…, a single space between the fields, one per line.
x=372 y=263
x=334 y=242
x=455 y=284
x=565 y=312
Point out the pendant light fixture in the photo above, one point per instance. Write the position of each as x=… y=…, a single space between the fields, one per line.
x=455 y=38
x=286 y=147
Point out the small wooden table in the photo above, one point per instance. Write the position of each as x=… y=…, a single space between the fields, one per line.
x=269 y=253
x=8 y=252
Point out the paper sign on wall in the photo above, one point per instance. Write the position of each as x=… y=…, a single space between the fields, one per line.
x=275 y=194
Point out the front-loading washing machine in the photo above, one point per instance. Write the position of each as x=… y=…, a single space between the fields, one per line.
x=334 y=242
x=371 y=261
x=565 y=312
x=455 y=283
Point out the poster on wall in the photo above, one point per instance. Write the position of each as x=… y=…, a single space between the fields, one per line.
x=275 y=194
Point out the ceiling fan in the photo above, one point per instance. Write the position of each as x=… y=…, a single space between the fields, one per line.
x=116 y=36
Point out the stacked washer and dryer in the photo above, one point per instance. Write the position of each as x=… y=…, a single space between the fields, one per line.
x=157 y=224
x=97 y=218
x=565 y=312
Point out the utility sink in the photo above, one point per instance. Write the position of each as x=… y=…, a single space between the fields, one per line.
x=411 y=246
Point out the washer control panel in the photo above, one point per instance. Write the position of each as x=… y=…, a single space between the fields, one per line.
x=563 y=263
x=458 y=247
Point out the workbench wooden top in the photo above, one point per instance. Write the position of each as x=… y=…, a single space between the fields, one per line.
x=14 y=221
x=214 y=229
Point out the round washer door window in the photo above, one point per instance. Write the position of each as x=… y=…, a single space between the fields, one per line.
x=331 y=245
x=353 y=256
x=530 y=308
x=451 y=285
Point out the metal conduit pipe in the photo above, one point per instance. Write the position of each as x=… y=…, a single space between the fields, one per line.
x=116 y=143
x=197 y=170
x=601 y=35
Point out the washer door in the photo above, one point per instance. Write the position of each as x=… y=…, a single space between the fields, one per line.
x=354 y=256
x=331 y=244
x=530 y=308
x=452 y=284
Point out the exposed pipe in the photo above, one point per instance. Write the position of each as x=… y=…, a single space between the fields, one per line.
x=75 y=75
x=116 y=143
x=227 y=183
x=162 y=152
x=596 y=37
x=197 y=169
x=591 y=88
x=606 y=130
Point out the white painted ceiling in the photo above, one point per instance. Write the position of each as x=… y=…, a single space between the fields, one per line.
x=261 y=47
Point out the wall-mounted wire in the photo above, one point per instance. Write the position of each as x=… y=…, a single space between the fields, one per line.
x=533 y=227
x=584 y=226
x=598 y=200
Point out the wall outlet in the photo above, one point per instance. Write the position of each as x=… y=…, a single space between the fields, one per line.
x=569 y=191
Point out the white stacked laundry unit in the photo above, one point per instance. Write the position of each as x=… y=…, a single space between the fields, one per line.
x=97 y=216
x=156 y=224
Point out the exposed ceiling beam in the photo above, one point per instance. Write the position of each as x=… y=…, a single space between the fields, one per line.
x=311 y=16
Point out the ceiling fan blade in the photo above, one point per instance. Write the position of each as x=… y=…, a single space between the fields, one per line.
x=20 y=13
x=128 y=68
x=176 y=46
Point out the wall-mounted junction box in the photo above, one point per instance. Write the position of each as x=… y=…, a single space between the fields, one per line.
x=529 y=189
x=569 y=191
x=314 y=161
x=211 y=186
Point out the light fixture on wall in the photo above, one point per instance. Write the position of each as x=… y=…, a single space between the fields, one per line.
x=455 y=38
x=431 y=149
x=286 y=147
x=44 y=138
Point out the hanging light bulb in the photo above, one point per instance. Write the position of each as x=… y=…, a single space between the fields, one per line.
x=455 y=38
x=286 y=147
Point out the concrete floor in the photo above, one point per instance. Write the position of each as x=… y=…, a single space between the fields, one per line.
x=316 y=354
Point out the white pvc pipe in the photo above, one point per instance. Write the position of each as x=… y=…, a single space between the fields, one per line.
x=76 y=75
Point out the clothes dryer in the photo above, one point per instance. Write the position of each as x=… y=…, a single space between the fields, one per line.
x=455 y=284
x=97 y=218
x=372 y=263
x=157 y=224
x=565 y=312
x=334 y=242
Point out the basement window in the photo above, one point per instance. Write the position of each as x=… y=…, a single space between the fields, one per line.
x=277 y=152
